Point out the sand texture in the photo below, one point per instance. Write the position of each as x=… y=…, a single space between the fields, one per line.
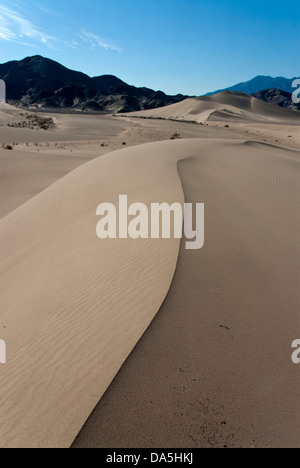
x=141 y=343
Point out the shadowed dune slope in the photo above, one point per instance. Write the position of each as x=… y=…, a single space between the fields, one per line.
x=214 y=369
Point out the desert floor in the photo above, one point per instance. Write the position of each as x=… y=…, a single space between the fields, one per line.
x=141 y=343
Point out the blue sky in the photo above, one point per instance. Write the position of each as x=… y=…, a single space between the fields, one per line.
x=188 y=46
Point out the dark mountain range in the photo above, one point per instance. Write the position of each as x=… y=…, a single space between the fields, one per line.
x=38 y=82
x=260 y=83
x=277 y=98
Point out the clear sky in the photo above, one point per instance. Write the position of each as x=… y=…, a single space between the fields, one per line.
x=187 y=46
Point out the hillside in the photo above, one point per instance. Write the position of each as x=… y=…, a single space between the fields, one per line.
x=38 y=82
x=277 y=98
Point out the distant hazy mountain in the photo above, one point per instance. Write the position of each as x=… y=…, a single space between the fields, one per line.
x=42 y=83
x=261 y=83
x=277 y=98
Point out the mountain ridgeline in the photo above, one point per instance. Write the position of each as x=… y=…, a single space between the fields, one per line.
x=260 y=83
x=38 y=82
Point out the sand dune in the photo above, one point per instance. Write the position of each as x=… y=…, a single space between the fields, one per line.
x=25 y=174
x=7 y=109
x=73 y=307
x=214 y=369
x=69 y=127
x=226 y=106
x=41 y=157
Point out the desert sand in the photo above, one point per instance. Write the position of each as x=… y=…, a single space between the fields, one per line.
x=173 y=347
x=226 y=105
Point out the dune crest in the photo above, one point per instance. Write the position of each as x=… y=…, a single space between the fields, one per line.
x=220 y=347
x=72 y=306
x=225 y=106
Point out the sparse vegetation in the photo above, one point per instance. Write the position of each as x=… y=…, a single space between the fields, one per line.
x=170 y=119
x=34 y=121
x=175 y=136
x=8 y=147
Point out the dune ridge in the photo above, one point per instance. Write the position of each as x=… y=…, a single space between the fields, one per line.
x=225 y=106
x=73 y=307
x=214 y=368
